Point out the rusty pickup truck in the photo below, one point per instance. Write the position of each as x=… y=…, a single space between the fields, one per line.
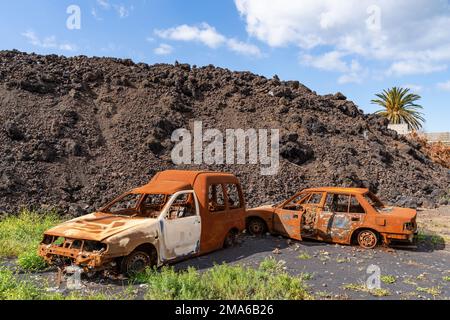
x=339 y=215
x=178 y=214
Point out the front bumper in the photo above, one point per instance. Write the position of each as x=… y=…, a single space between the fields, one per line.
x=89 y=261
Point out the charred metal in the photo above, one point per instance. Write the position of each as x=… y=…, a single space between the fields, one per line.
x=339 y=215
x=177 y=215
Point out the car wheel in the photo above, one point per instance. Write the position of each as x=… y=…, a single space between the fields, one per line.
x=256 y=227
x=367 y=239
x=230 y=239
x=135 y=262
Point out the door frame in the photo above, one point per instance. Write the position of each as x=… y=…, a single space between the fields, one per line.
x=162 y=225
x=348 y=218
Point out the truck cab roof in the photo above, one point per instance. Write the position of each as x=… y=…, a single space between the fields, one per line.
x=172 y=181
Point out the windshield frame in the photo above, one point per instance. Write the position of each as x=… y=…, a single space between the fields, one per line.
x=141 y=196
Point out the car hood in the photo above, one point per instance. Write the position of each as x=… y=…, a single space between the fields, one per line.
x=96 y=226
x=405 y=213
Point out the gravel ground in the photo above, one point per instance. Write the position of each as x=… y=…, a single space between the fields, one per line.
x=331 y=271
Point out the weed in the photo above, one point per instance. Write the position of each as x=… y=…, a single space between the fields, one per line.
x=22 y=233
x=304 y=256
x=224 y=282
x=380 y=292
x=409 y=281
x=434 y=291
x=342 y=260
x=388 y=279
x=13 y=288
x=307 y=276
x=359 y=287
x=421 y=277
x=31 y=261
x=273 y=265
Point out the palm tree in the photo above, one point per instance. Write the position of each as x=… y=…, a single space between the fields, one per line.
x=400 y=107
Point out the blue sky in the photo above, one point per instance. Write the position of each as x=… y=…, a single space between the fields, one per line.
x=357 y=47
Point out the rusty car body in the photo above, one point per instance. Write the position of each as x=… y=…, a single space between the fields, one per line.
x=178 y=214
x=338 y=215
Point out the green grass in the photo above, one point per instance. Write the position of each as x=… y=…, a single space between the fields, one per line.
x=269 y=281
x=388 y=279
x=342 y=260
x=21 y=234
x=13 y=289
x=304 y=256
x=31 y=261
x=359 y=287
x=446 y=278
x=430 y=237
x=307 y=276
x=434 y=291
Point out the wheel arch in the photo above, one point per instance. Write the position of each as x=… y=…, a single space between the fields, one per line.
x=256 y=217
x=149 y=248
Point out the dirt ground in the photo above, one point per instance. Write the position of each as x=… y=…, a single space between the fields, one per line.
x=331 y=271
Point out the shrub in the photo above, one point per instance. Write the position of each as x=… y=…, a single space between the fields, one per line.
x=31 y=261
x=23 y=232
x=388 y=279
x=224 y=282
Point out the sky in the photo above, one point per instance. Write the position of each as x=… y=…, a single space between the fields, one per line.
x=357 y=47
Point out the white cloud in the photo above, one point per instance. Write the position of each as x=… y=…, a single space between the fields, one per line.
x=243 y=48
x=412 y=36
x=209 y=36
x=163 y=49
x=356 y=74
x=123 y=11
x=445 y=86
x=48 y=42
x=333 y=61
x=411 y=67
x=104 y=4
x=203 y=33
x=330 y=61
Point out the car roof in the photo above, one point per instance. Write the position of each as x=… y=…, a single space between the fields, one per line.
x=172 y=181
x=338 y=190
x=162 y=187
x=187 y=176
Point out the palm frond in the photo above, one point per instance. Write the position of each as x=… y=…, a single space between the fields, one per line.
x=399 y=106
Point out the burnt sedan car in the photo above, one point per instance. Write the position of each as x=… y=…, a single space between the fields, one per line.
x=338 y=215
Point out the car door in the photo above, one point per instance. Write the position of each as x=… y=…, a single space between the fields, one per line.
x=181 y=226
x=341 y=215
x=287 y=218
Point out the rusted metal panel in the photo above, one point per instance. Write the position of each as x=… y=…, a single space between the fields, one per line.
x=169 y=219
x=339 y=215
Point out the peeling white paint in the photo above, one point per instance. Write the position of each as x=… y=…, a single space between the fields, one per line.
x=124 y=242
